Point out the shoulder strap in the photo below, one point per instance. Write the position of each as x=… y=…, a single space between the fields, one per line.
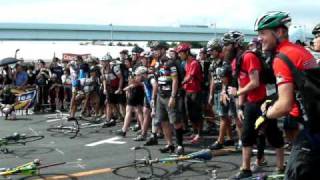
x=297 y=75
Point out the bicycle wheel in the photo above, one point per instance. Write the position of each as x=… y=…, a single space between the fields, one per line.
x=69 y=128
x=26 y=139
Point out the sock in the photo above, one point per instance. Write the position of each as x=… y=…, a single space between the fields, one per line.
x=179 y=136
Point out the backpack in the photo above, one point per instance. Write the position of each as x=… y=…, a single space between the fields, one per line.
x=307 y=84
x=266 y=74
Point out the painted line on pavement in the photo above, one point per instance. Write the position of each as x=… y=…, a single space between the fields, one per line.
x=81 y=174
x=107 y=141
x=59 y=151
x=53 y=120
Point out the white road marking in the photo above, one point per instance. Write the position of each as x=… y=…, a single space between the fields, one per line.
x=54 y=120
x=35 y=133
x=108 y=141
x=59 y=151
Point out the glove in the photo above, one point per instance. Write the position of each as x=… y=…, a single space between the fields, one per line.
x=260 y=122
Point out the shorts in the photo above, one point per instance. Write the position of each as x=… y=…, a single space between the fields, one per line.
x=164 y=113
x=291 y=123
x=223 y=110
x=121 y=99
x=251 y=113
x=146 y=103
x=111 y=98
x=303 y=162
x=194 y=106
x=136 y=97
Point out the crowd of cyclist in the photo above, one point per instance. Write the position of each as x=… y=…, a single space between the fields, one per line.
x=171 y=89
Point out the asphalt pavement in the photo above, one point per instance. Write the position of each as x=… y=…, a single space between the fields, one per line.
x=96 y=152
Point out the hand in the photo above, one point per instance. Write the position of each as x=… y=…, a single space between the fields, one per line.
x=119 y=91
x=266 y=105
x=105 y=92
x=240 y=115
x=232 y=91
x=172 y=103
x=152 y=103
x=224 y=98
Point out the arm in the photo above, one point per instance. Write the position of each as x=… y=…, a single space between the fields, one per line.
x=284 y=103
x=121 y=82
x=254 y=83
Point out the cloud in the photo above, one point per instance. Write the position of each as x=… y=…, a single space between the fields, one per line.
x=226 y=13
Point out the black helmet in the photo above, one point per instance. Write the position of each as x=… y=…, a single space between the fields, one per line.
x=137 y=50
x=316 y=30
x=159 y=45
x=235 y=37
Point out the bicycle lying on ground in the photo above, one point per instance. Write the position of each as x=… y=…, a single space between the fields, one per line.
x=72 y=128
x=17 y=138
x=30 y=168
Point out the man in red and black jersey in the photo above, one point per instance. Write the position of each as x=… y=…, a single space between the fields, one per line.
x=273 y=30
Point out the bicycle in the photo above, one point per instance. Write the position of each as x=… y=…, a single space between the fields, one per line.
x=17 y=138
x=73 y=127
x=146 y=163
x=30 y=168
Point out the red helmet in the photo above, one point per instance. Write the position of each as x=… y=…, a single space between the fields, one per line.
x=183 y=47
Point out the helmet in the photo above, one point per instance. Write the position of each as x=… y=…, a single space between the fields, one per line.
x=106 y=57
x=203 y=50
x=141 y=70
x=297 y=34
x=137 y=50
x=183 y=47
x=94 y=69
x=231 y=37
x=147 y=54
x=159 y=44
x=316 y=30
x=214 y=44
x=255 y=41
x=124 y=51
x=272 y=20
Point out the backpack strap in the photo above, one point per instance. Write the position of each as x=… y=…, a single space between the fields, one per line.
x=297 y=75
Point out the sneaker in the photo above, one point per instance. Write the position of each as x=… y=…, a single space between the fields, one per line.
x=238 y=146
x=140 y=138
x=229 y=142
x=167 y=149
x=135 y=128
x=151 y=141
x=258 y=167
x=180 y=150
x=120 y=133
x=109 y=123
x=216 y=146
x=71 y=119
x=243 y=174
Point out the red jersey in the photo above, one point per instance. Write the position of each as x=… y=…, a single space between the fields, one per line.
x=193 y=69
x=300 y=57
x=250 y=63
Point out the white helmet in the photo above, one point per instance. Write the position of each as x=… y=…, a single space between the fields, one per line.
x=296 y=34
x=141 y=70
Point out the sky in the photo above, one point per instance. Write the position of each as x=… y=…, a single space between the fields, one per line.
x=219 y=13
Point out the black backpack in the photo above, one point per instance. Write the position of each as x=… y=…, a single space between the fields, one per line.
x=307 y=83
x=266 y=75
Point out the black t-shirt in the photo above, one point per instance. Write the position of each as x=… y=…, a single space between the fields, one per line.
x=58 y=70
x=205 y=65
x=215 y=70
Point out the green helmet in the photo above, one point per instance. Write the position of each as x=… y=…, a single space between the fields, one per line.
x=273 y=19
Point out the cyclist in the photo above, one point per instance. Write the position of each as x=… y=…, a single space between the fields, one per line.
x=273 y=31
x=192 y=85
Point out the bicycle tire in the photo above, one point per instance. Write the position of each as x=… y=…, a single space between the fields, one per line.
x=133 y=170
x=26 y=139
x=68 y=128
